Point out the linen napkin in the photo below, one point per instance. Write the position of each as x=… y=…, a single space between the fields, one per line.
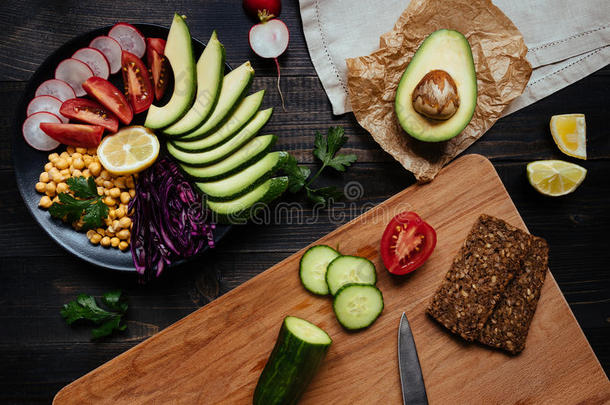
x=567 y=40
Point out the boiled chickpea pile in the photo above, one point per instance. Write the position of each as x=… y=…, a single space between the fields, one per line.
x=117 y=191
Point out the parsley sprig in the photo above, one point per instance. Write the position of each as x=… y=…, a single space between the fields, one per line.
x=85 y=203
x=85 y=308
x=325 y=149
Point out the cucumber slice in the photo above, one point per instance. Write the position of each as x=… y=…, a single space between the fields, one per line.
x=244 y=207
x=240 y=117
x=312 y=269
x=210 y=69
x=179 y=53
x=226 y=149
x=242 y=182
x=357 y=306
x=349 y=269
x=234 y=85
x=297 y=355
x=244 y=157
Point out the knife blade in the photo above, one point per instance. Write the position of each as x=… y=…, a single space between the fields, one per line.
x=411 y=378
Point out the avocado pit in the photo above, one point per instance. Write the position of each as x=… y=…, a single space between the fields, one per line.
x=436 y=96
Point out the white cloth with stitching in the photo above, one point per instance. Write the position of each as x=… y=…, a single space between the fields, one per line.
x=567 y=40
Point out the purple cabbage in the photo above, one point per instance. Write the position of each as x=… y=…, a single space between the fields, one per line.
x=170 y=222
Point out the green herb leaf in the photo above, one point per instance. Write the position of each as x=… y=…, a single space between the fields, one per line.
x=297 y=175
x=341 y=162
x=95 y=214
x=324 y=195
x=85 y=308
x=90 y=206
x=108 y=327
x=115 y=301
x=83 y=187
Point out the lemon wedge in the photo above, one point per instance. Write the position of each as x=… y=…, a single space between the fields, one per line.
x=570 y=134
x=555 y=177
x=130 y=150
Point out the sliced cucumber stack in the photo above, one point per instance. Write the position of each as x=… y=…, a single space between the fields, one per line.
x=349 y=269
x=357 y=306
x=297 y=355
x=312 y=269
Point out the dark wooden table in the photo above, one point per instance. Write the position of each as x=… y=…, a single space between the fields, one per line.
x=40 y=354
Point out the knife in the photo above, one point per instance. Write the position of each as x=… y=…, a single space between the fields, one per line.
x=411 y=378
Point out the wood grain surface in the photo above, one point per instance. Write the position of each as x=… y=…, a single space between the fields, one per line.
x=40 y=354
x=215 y=355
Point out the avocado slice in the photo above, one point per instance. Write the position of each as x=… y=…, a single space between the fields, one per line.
x=227 y=148
x=234 y=86
x=210 y=69
x=179 y=53
x=443 y=70
x=244 y=207
x=242 y=114
x=244 y=181
x=244 y=157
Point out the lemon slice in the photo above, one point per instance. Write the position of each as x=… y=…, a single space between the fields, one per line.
x=555 y=177
x=130 y=150
x=570 y=134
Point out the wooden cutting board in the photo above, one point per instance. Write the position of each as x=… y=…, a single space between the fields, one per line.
x=216 y=354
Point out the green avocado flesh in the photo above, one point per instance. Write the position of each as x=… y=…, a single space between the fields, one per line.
x=443 y=50
x=179 y=53
x=210 y=69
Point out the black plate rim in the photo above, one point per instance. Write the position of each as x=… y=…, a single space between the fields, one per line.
x=33 y=82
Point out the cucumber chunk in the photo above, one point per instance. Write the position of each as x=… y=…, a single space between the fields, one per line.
x=349 y=269
x=312 y=269
x=357 y=306
x=296 y=357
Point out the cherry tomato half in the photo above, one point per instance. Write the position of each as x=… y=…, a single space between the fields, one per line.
x=91 y=112
x=407 y=242
x=110 y=97
x=158 y=64
x=137 y=82
x=84 y=136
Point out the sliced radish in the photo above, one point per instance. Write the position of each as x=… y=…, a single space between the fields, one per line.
x=129 y=38
x=74 y=72
x=56 y=88
x=34 y=136
x=96 y=61
x=46 y=104
x=111 y=50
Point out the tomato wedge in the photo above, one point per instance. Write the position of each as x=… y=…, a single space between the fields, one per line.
x=158 y=64
x=110 y=97
x=407 y=242
x=91 y=112
x=137 y=82
x=84 y=136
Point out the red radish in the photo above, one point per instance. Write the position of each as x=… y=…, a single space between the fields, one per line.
x=56 y=88
x=96 y=61
x=269 y=39
x=263 y=9
x=111 y=50
x=45 y=104
x=74 y=72
x=34 y=136
x=130 y=39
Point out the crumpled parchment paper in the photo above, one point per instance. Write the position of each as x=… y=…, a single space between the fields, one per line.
x=502 y=72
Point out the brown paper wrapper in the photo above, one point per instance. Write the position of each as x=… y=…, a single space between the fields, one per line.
x=502 y=71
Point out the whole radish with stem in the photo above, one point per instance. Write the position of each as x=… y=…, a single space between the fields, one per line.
x=269 y=38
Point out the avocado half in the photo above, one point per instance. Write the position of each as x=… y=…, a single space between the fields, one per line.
x=442 y=50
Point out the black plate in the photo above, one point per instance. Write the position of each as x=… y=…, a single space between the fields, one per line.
x=29 y=163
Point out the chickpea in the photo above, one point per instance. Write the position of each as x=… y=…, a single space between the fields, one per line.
x=112 y=214
x=62 y=163
x=100 y=191
x=105 y=242
x=53 y=157
x=120 y=182
x=124 y=206
x=69 y=160
x=87 y=160
x=119 y=212
x=64 y=155
x=123 y=234
x=115 y=192
x=125 y=222
x=90 y=233
x=50 y=189
x=132 y=192
x=53 y=173
x=123 y=245
x=95 y=168
x=65 y=173
x=129 y=182
x=78 y=163
x=105 y=174
x=125 y=197
x=44 y=177
x=48 y=166
x=81 y=150
x=41 y=187
x=76 y=173
x=76 y=155
x=86 y=173
x=95 y=239
x=100 y=231
x=56 y=199
x=70 y=150
x=61 y=188
x=99 y=181
x=45 y=202
x=116 y=225
x=109 y=201
x=108 y=221
x=114 y=242
x=108 y=184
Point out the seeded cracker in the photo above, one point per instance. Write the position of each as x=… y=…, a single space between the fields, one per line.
x=491 y=256
x=508 y=325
